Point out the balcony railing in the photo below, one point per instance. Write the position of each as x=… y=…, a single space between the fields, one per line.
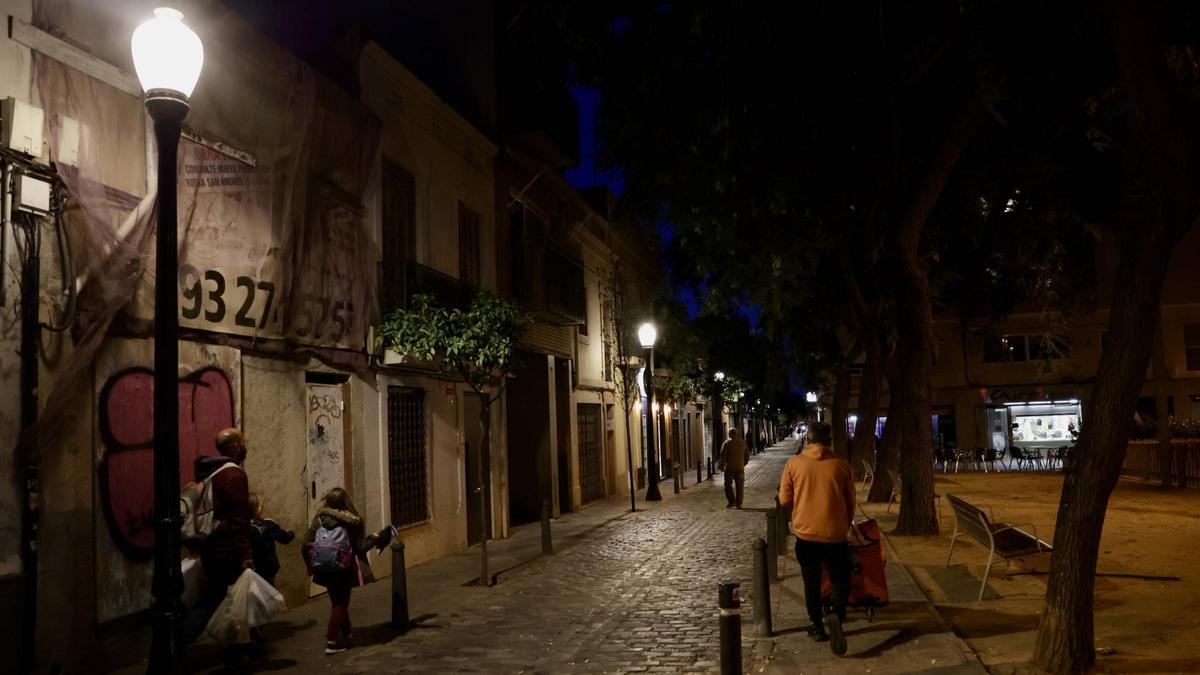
x=400 y=280
x=548 y=281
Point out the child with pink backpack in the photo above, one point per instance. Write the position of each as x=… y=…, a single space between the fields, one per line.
x=336 y=552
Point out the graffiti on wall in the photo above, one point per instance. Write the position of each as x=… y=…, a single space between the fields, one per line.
x=126 y=412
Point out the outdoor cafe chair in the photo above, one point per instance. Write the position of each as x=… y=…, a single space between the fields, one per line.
x=1020 y=457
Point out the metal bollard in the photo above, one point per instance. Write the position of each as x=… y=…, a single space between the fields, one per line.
x=772 y=545
x=400 y=618
x=547 y=545
x=677 y=476
x=698 y=479
x=762 y=589
x=729 y=600
x=709 y=467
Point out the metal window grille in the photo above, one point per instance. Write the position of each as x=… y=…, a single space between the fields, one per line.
x=591 y=467
x=407 y=455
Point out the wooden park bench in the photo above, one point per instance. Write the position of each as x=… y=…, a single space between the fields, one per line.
x=1007 y=541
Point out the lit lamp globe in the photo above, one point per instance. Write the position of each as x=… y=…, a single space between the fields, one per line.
x=719 y=376
x=167 y=56
x=647 y=334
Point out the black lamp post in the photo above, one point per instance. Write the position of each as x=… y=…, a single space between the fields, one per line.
x=168 y=57
x=647 y=334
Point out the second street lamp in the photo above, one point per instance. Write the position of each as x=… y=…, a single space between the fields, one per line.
x=168 y=57
x=647 y=335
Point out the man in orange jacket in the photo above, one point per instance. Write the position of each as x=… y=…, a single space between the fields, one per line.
x=818 y=486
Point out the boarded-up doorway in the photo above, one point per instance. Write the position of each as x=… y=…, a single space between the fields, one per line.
x=474 y=451
x=325 y=440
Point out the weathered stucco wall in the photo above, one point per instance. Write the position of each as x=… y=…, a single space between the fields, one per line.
x=451 y=161
x=273 y=397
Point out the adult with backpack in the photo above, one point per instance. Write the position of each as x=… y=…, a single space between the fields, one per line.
x=336 y=552
x=216 y=521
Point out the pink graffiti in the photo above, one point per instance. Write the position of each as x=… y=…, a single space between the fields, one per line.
x=127 y=429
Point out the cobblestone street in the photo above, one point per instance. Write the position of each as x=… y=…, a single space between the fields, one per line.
x=624 y=593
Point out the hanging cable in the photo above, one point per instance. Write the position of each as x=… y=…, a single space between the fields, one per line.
x=66 y=259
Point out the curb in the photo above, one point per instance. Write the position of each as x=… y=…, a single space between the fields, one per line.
x=968 y=653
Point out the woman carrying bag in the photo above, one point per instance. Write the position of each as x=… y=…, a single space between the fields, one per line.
x=336 y=553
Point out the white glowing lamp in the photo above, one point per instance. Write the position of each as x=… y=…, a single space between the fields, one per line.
x=811 y=397
x=647 y=334
x=167 y=55
x=719 y=376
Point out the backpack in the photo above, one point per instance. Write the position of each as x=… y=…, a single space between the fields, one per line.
x=196 y=510
x=332 y=552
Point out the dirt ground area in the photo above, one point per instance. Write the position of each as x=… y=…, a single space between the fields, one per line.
x=1151 y=626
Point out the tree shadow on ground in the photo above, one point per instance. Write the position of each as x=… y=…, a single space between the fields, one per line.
x=984 y=622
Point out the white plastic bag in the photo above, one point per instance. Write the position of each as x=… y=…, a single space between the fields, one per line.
x=250 y=601
x=192 y=571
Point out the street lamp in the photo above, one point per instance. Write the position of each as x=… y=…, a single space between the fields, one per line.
x=647 y=335
x=168 y=57
x=719 y=376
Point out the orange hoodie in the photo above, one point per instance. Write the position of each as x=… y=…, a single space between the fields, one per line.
x=819 y=488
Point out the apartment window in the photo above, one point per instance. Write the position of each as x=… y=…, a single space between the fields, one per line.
x=1043 y=347
x=407 y=482
x=399 y=212
x=1191 y=345
x=1021 y=348
x=468 y=245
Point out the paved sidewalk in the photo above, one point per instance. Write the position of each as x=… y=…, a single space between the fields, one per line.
x=624 y=592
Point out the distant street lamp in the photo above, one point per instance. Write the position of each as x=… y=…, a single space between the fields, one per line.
x=168 y=57
x=811 y=397
x=719 y=376
x=647 y=335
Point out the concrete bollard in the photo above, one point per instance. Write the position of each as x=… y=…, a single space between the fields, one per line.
x=762 y=589
x=400 y=618
x=772 y=545
x=781 y=533
x=547 y=545
x=729 y=600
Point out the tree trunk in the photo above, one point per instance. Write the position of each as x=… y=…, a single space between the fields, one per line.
x=718 y=432
x=910 y=401
x=863 y=447
x=1162 y=414
x=482 y=473
x=841 y=404
x=889 y=451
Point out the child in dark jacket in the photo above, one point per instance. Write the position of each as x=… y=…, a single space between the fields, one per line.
x=265 y=534
x=338 y=512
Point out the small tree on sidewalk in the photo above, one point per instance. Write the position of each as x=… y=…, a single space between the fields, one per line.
x=625 y=314
x=477 y=344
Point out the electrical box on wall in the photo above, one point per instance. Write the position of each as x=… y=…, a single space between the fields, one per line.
x=21 y=126
x=31 y=194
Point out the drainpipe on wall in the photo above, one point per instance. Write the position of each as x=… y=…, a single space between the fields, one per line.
x=30 y=283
